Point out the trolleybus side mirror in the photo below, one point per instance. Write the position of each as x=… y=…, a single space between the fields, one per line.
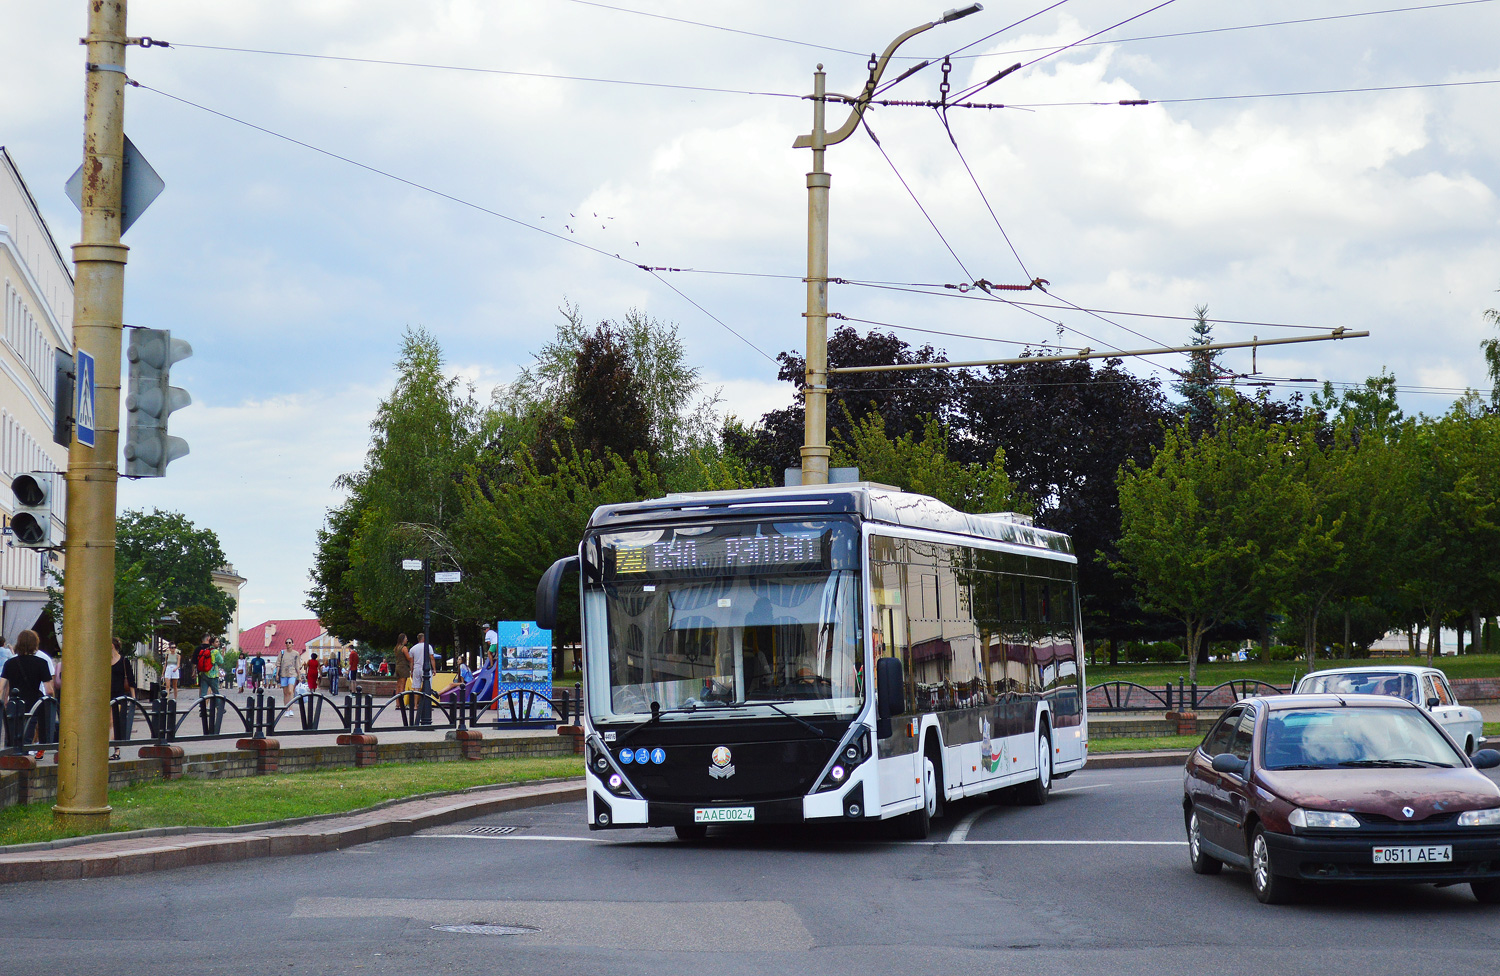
x=890 y=693
x=549 y=590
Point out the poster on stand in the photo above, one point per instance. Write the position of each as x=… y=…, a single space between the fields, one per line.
x=525 y=661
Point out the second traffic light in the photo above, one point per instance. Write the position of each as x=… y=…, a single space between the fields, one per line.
x=151 y=400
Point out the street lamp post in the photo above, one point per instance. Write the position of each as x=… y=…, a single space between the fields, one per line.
x=815 y=390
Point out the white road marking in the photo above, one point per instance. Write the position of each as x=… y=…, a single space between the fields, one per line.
x=961 y=830
x=1090 y=786
x=577 y=840
x=1070 y=843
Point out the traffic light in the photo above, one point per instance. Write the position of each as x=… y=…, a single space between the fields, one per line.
x=151 y=400
x=32 y=522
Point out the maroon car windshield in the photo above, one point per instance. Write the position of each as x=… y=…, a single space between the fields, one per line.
x=1354 y=737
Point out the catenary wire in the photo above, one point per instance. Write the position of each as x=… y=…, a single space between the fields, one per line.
x=954 y=335
x=718 y=27
x=1133 y=102
x=476 y=70
x=450 y=197
x=1238 y=27
x=973 y=90
x=910 y=192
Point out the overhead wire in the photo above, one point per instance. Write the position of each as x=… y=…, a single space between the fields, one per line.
x=1132 y=102
x=476 y=70
x=955 y=335
x=717 y=27
x=452 y=198
x=1012 y=52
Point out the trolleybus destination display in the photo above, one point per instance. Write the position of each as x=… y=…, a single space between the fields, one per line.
x=722 y=550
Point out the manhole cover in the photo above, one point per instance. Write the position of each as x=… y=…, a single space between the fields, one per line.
x=486 y=928
x=493 y=830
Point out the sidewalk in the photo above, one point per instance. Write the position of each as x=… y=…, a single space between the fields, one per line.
x=163 y=848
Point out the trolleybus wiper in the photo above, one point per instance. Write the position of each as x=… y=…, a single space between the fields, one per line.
x=776 y=706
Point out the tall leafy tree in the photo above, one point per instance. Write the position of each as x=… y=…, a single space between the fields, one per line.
x=425 y=435
x=175 y=559
x=1205 y=527
x=904 y=400
x=921 y=463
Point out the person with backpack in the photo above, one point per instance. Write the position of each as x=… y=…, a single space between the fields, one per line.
x=257 y=673
x=207 y=660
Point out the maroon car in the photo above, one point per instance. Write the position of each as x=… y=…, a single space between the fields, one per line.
x=1316 y=788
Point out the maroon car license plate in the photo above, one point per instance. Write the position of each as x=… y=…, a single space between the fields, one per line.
x=1435 y=854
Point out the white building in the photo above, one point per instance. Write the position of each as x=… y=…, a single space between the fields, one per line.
x=35 y=319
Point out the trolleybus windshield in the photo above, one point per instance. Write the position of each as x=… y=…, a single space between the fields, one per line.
x=708 y=620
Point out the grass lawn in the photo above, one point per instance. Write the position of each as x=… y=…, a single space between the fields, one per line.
x=1491 y=730
x=227 y=802
x=1098 y=747
x=1282 y=672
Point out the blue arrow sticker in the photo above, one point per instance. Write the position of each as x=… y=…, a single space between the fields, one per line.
x=658 y=755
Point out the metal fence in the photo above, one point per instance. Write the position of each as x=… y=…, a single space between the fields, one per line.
x=1128 y=696
x=260 y=716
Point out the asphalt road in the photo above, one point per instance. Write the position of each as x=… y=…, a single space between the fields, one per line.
x=1095 y=882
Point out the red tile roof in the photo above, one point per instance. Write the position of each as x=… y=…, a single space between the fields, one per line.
x=267 y=638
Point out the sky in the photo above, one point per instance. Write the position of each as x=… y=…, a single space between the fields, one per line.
x=294 y=274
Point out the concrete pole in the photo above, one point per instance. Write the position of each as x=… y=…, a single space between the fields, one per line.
x=99 y=291
x=815 y=418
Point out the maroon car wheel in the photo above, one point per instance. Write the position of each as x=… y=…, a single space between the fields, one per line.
x=1270 y=888
x=1202 y=863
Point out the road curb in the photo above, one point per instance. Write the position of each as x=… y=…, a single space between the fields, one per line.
x=1127 y=760
x=113 y=856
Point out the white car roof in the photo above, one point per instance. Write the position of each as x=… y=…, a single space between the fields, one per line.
x=1376 y=669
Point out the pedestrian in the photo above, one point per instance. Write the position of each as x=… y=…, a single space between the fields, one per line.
x=334 y=667
x=5 y=652
x=402 y=664
x=384 y=669
x=172 y=663
x=207 y=660
x=239 y=675
x=25 y=676
x=257 y=672
x=121 y=686
x=353 y=664
x=286 y=671
x=421 y=663
x=314 y=669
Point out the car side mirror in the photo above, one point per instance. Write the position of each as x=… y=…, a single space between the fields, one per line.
x=1433 y=703
x=1485 y=759
x=890 y=693
x=1228 y=762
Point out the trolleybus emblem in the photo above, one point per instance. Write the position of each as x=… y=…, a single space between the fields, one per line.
x=721 y=769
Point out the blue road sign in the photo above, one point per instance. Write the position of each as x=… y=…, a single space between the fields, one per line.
x=84 y=415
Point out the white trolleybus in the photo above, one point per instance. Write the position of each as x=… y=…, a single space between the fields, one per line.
x=819 y=654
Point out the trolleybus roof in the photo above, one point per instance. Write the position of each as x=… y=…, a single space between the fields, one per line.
x=871 y=501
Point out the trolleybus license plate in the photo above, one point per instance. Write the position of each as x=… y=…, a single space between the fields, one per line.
x=723 y=814
x=1414 y=855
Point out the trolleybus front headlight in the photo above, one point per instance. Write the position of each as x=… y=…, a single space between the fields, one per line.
x=850 y=755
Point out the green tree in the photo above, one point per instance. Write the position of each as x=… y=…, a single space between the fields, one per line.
x=679 y=415
x=1197 y=385
x=175 y=559
x=923 y=465
x=512 y=531
x=425 y=435
x=1204 y=527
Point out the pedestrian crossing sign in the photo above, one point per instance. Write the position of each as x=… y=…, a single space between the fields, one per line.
x=84 y=415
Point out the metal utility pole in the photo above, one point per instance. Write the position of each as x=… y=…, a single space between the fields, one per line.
x=99 y=290
x=815 y=391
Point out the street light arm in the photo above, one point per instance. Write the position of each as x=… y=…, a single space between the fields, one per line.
x=863 y=101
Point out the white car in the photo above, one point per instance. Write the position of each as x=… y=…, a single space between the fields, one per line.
x=1426 y=687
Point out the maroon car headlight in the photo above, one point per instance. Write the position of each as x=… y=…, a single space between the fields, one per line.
x=1480 y=818
x=1321 y=818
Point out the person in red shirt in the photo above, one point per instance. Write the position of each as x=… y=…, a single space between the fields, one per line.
x=312 y=673
x=353 y=665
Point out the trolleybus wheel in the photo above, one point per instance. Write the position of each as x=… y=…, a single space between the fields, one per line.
x=1035 y=792
x=918 y=824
